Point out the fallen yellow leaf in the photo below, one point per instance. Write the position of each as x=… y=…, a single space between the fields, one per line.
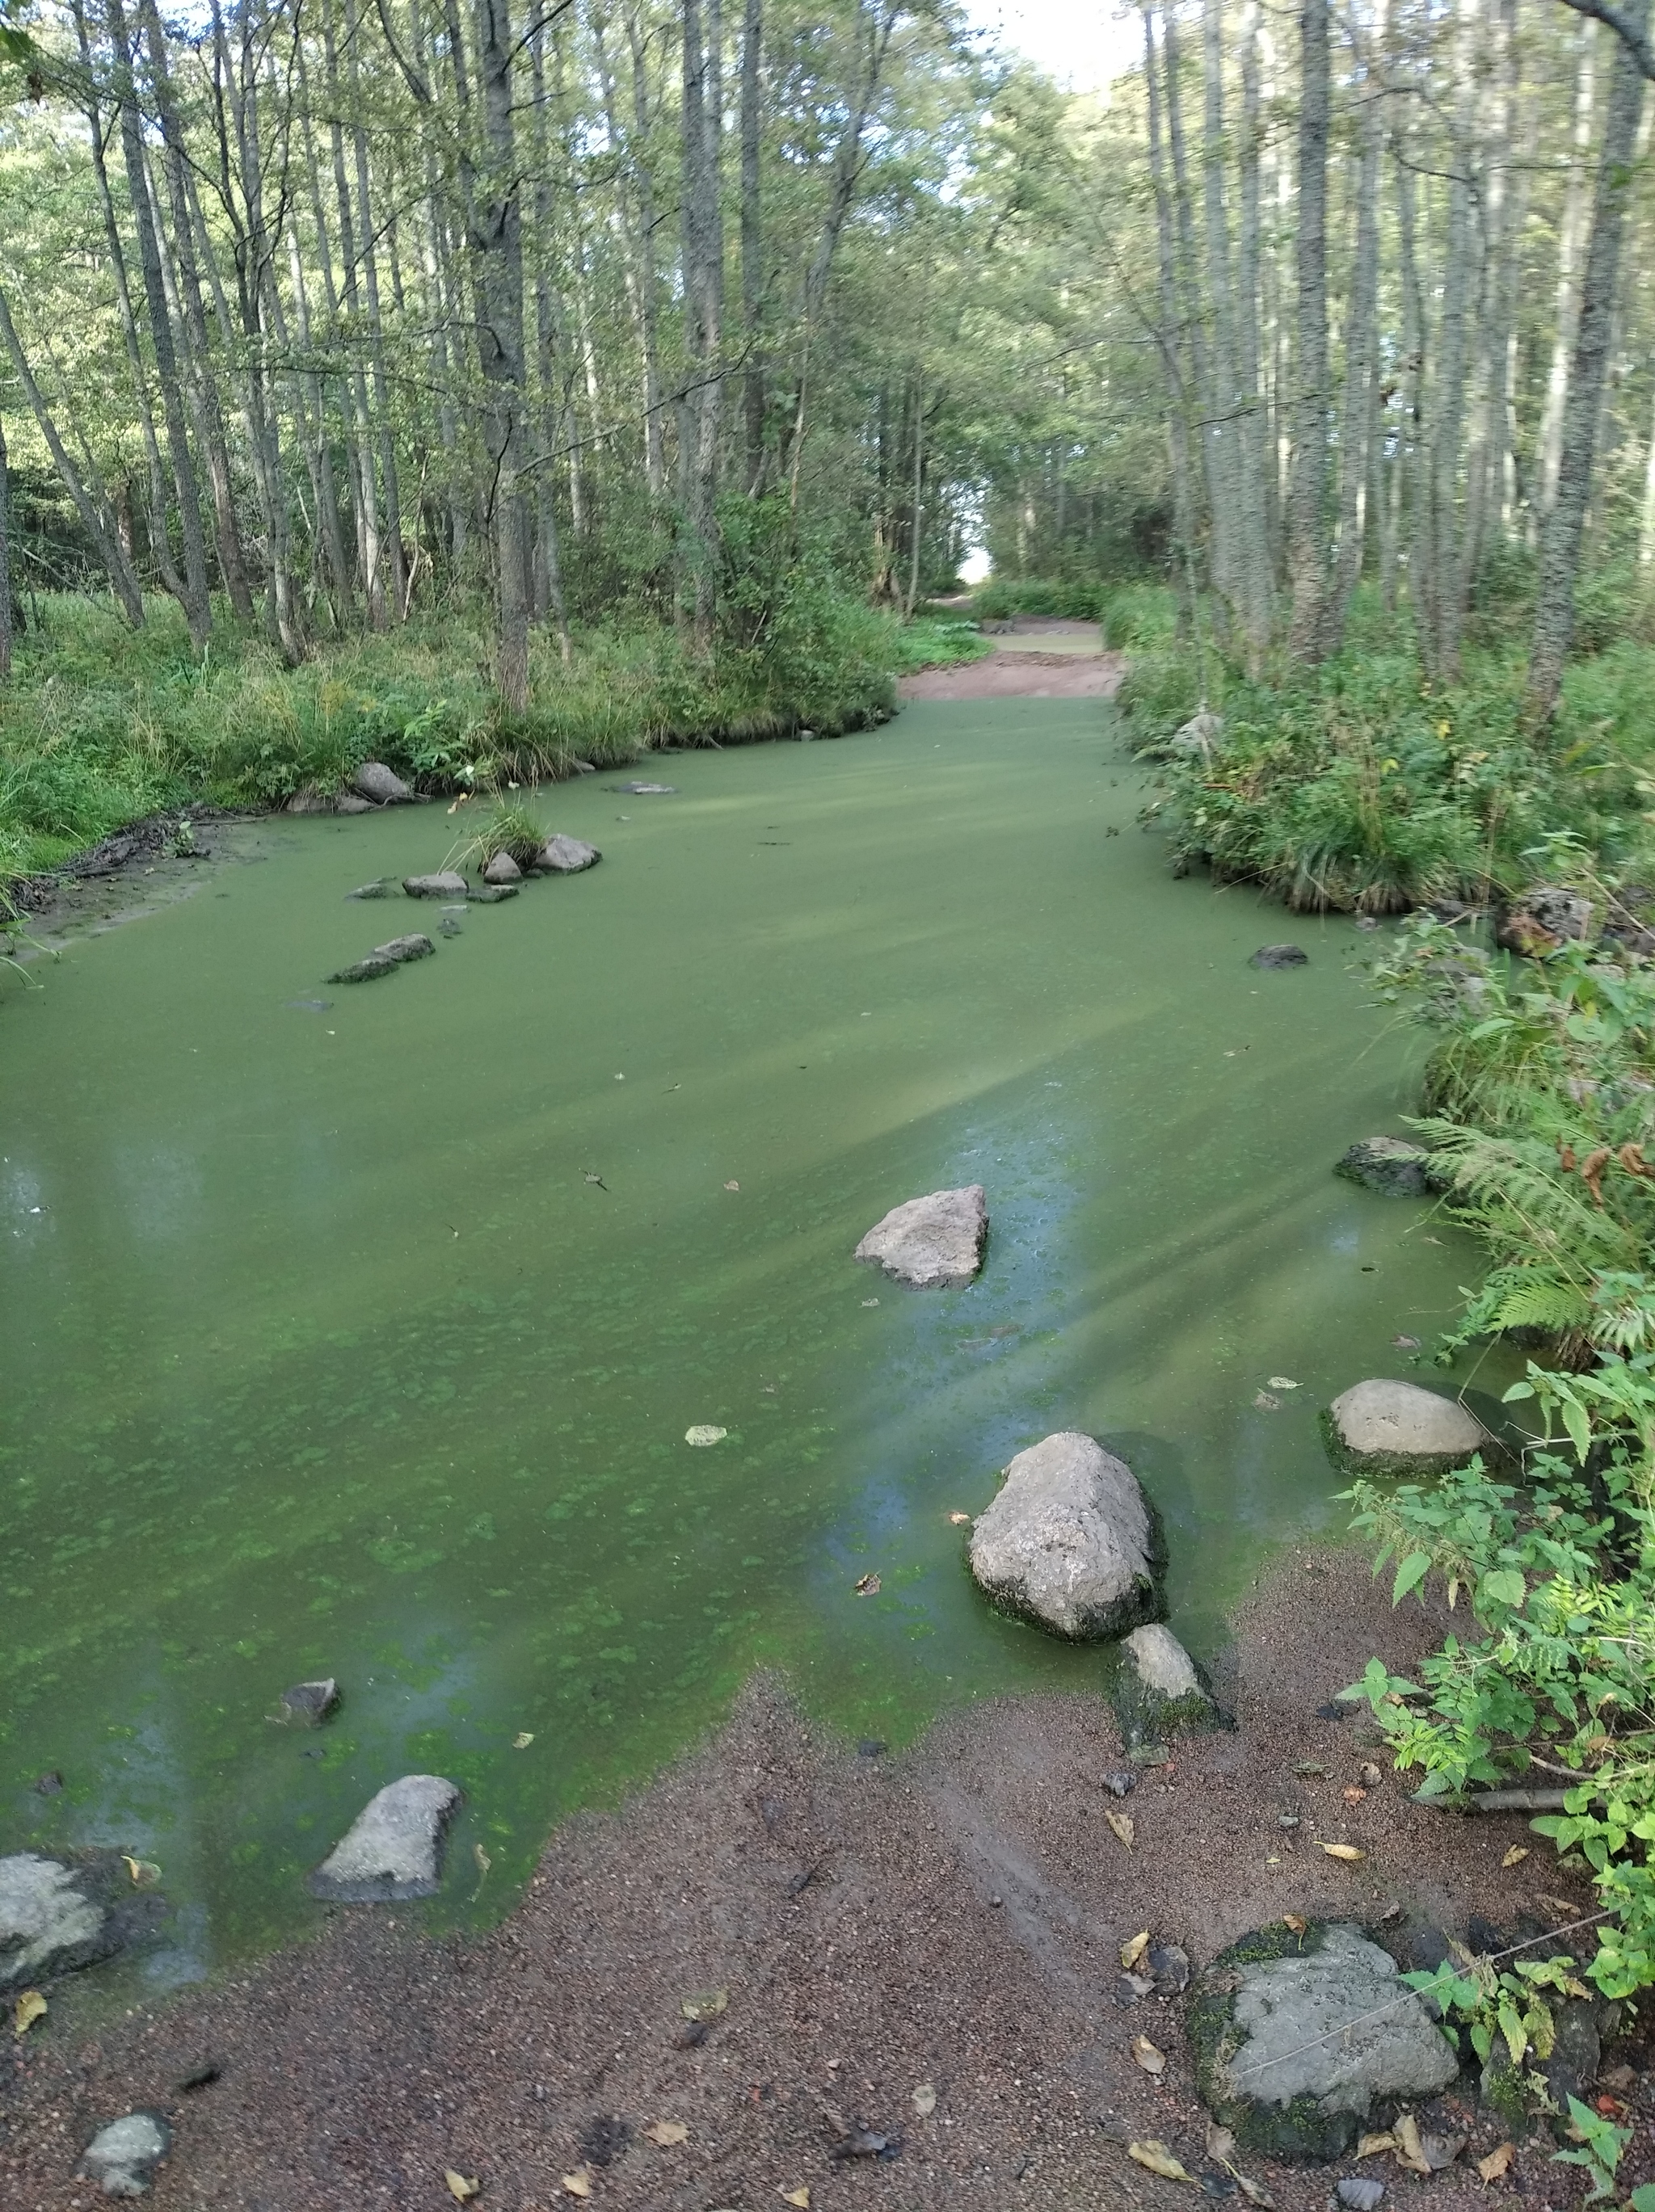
x=925 y=2101
x=458 y=2187
x=1156 y=2157
x=1152 y=2060
x=800 y=2197
x=30 y=2007
x=1132 y=1952
x=1516 y=1856
x=1292 y=1920
x=1498 y=2162
x=1410 y=2152
x=706 y=2004
x=579 y=2184
x=144 y=1872
x=1348 y=1852
x=1255 y=2193
x=1370 y=2146
x=668 y=2132
x=521 y=1743
x=1122 y=1824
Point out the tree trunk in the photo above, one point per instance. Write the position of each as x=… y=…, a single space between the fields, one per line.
x=5 y=559
x=495 y=225
x=1559 y=552
x=704 y=290
x=1252 y=420
x=752 y=247
x=1178 y=392
x=1571 y=244
x=1308 y=549
x=1360 y=413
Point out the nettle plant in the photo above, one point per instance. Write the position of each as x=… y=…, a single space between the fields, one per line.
x=1554 y=1677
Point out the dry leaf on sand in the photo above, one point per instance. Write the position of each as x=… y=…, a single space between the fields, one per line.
x=1292 y=1920
x=925 y=2101
x=30 y=2007
x=458 y=2187
x=666 y=2132
x=1152 y=2060
x=1122 y=1824
x=1370 y=2146
x=1255 y=2193
x=1498 y=2162
x=579 y=2184
x=1132 y=1952
x=800 y=2196
x=705 y=2004
x=1516 y=1856
x=1221 y=2143
x=1352 y=1795
x=1156 y=2157
x=1410 y=2152
x=1348 y=1852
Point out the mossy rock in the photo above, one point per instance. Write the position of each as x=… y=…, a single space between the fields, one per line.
x=1159 y=1692
x=1385 y=1430
x=1299 y=2040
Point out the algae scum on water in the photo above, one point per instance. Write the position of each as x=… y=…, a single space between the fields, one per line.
x=364 y=1334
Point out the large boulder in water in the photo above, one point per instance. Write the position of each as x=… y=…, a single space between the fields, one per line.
x=1296 y=2037
x=1070 y=1543
x=49 y=1923
x=566 y=856
x=376 y=781
x=932 y=1242
x=445 y=885
x=502 y=869
x=1382 y=1429
x=1390 y=1165
x=394 y=1848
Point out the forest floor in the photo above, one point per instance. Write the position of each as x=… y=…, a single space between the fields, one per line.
x=947 y=1920
x=1035 y=657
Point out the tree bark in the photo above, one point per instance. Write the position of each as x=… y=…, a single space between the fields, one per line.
x=5 y=559
x=1184 y=525
x=752 y=245
x=1571 y=244
x=1307 y=548
x=1559 y=552
x=1360 y=412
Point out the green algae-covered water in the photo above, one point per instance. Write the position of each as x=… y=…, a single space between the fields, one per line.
x=324 y=1353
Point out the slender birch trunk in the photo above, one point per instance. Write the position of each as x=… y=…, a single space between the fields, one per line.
x=1307 y=548
x=1571 y=244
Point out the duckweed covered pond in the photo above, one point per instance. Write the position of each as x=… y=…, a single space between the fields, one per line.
x=326 y=1355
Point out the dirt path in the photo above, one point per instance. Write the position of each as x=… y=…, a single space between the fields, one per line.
x=1035 y=657
x=948 y=1918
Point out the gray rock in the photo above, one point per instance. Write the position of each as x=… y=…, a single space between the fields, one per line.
x=1070 y=1542
x=48 y=1925
x=394 y=1846
x=347 y=803
x=1296 y=2039
x=450 y=925
x=1387 y=1164
x=414 y=946
x=444 y=885
x=307 y=1704
x=381 y=887
x=502 y=869
x=566 y=856
x=376 y=781
x=932 y=1242
x=584 y=767
x=368 y=970
x=1381 y=1429
x=644 y=790
x=124 y=2156
x=1160 y=1688
x=1279 y=956
x=1200 y=734
x=1360 y=2192
x=1543 y=918
x=309 y=802
x=490 y=894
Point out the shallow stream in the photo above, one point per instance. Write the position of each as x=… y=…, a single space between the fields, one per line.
x=326 y=1355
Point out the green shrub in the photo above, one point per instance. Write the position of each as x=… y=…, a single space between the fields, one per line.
x=1159 y=694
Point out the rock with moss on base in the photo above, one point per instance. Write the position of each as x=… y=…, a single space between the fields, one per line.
x=566 y=856
x=1383 y=1430
x=1390 y=1166
x=1299 y=2040
x=393 y=1849
x=1160 y=1688
x=1070 y=1543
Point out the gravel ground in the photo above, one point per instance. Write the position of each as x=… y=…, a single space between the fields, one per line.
x=946 y=1920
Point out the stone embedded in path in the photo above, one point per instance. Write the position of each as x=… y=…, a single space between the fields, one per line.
x=502 y=869
x=48 y=1925
x=124 y=2156
x=446 y=884
x=566 y=856
x=1160 y=1687
x=1279 y=956
x=1389 y=1165
x=1296 y=2037
x=934 y=1242
x=376 y=781
x=394 y=1846
x=1070 y=1542
x=1379 y=1428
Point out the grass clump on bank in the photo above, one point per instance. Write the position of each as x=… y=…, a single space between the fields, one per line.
x=103 y=724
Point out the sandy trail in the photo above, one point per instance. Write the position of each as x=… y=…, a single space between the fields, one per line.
x=1038 y=657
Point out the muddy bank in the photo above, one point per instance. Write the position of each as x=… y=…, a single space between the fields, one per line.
x=1022 y=673
x=947 y=1919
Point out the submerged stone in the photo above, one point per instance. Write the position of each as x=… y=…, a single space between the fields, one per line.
x=124 y=2156
x=1379 y=1428
x=1389 y=1165
x=393 y=1849
x=307 y=1704
x=48 y=1925
x=1296 y=2039
x=566 y=856
x=1279 y=956
x=934 y=1242
x=381 y=887
x=490 y=894
x=1070 y=1542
